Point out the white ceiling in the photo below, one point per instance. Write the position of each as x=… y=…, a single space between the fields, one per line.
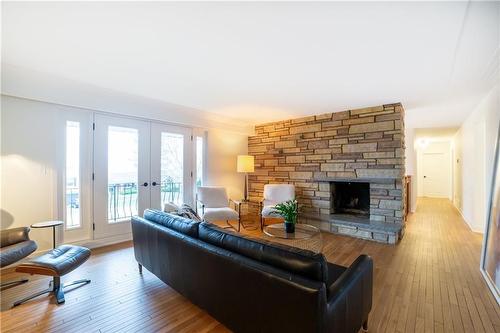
x=261 y=61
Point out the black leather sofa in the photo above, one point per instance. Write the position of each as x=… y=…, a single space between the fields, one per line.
x=251 y=285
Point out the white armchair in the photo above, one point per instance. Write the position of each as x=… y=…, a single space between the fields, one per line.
x=215 y=205
x=273 y=195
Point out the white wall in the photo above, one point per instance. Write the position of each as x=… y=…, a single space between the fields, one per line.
x=21 y=82
x=32 y=163
x=31 y=155
x=222 y=149
x=475 y=150
x=411 y=165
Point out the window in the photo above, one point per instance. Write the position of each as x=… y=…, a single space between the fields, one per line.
x=199 y=161
x=73 y=216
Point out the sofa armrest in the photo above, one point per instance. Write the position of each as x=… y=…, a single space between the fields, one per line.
x=349 y=298
x=14 y=236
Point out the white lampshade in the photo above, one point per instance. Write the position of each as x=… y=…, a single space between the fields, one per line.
x=245 y=163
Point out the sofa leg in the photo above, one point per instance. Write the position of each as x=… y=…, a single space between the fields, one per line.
x=365 y=326
x=140 y=268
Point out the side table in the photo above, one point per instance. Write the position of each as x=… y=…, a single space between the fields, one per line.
x=49 y=224
x=246 y=213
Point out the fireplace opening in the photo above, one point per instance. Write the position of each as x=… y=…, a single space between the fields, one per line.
x=350 y=198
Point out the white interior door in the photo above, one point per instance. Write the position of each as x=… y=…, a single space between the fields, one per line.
x=436 y=174
x=121 y=173
x=171 y=165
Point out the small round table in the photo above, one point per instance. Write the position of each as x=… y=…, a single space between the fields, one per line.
x=305 y=237
x=49 y=224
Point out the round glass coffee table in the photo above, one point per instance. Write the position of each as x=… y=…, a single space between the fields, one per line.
x=306 y=237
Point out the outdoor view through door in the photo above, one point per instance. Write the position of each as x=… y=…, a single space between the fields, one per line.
x=72 y=204
x=172 y=166
x=123 y=161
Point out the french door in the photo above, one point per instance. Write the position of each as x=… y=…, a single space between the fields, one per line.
x=121 y=173
x=137 y=165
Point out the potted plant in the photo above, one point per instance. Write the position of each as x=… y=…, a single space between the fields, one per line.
x=289 y=211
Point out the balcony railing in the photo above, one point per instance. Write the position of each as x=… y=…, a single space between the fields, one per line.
x=171 y=192
x=72 y=207
x=122 y=201
x=123 y=198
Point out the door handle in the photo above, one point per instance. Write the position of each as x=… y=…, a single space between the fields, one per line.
x=145 y=184
x=425 y=176
x=155 y=183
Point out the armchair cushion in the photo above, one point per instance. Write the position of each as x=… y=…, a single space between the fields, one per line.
x=213 y=196
x=278 y=193
x=220 y=214
x=15 y=252
x=269 y=211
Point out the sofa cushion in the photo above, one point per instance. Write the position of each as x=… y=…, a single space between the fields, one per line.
x=294 y=260
x=188 y=212
x=174 y=222
x=170 y=207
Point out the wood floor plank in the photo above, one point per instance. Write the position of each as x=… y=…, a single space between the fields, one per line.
x=430 y=282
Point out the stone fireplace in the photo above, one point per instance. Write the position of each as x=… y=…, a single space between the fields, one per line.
x=347 y=168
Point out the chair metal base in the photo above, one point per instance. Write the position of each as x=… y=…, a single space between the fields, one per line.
x=249 y=227
x=228 y=226
x=56 y=287
x=7 y=284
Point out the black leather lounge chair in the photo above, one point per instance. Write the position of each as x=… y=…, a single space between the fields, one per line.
x=15 y=245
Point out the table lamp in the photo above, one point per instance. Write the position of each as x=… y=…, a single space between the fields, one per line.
x=245 y=164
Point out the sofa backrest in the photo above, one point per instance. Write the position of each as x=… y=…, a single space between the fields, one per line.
x=301 y=262
x=180 y=224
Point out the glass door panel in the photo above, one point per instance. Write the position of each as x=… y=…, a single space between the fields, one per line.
x=171 y=167
x=121 y=173
x=123 y=162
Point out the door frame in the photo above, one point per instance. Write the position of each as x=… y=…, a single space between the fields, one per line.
x=87 y=119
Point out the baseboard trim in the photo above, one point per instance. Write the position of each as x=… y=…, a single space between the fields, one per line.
x=465 y=220
x=95 y=243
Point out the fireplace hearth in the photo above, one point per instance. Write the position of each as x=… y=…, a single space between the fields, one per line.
x=351 y=198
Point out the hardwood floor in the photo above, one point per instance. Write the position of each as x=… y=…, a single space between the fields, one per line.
x=430 y=282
